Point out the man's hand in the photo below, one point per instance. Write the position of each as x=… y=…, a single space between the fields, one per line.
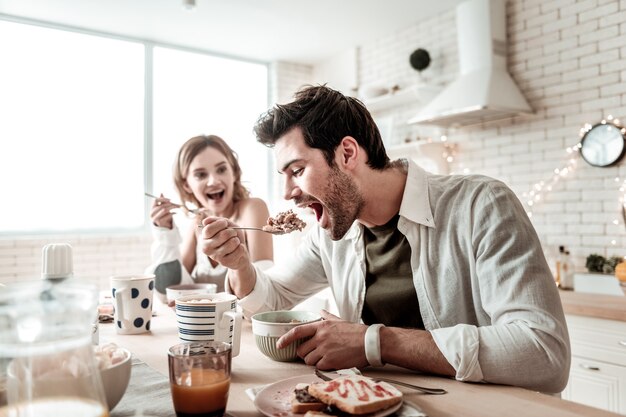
x=226 y=246
x=223 y=244
x=334 y=343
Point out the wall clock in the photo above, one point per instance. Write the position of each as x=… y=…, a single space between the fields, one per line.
x=603 y=145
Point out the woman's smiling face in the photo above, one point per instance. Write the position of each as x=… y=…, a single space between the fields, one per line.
x=211 y=180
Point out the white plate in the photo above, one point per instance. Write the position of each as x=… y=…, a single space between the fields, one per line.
x=274 y=400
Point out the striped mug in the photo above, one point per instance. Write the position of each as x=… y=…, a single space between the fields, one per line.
x=212 y=317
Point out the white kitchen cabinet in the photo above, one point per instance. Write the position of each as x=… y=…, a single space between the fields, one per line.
x=598 y=370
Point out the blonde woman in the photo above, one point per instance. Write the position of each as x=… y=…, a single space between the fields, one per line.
x=207 y=175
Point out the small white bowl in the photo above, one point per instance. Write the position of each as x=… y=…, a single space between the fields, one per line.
x=269 y=326
x=115 y=380
x=174 y=292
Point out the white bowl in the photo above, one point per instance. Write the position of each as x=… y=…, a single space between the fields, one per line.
x=174 y=292
x=269 y=326
x=115 y=380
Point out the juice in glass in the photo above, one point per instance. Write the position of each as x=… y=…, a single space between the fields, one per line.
x=200 y=378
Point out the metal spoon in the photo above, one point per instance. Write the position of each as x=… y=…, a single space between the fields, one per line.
x=271 y=232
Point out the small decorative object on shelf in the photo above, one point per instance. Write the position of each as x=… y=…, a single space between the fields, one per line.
x=598 y=263
x=564 y=273
x=420 y=59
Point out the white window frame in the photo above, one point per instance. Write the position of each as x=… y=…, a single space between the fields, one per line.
x=147 y=118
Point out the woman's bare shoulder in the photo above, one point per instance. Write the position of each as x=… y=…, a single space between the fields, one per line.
x=253 y=208
x=253 y=204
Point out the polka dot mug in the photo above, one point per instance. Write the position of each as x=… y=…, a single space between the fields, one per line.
x=132 y=296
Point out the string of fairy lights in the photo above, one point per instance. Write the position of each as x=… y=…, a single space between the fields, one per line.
x=449 y=150
x=539 y=190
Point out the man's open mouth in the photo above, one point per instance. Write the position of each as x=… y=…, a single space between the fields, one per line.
x=318 y=209
x=216 y=196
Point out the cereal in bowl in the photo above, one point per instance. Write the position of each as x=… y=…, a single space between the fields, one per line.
x=108 y=355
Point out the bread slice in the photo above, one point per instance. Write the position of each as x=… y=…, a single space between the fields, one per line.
x=302 y=401
x=317 y=414
x=356 y=394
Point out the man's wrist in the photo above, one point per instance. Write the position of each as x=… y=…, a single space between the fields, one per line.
x=242 y=280
x=372 y=345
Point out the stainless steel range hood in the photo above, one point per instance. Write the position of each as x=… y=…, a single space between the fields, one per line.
x=484 y=90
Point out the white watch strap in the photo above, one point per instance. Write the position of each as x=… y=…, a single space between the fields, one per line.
x=372 y=345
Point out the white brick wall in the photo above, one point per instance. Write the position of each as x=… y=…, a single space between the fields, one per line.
x=583 y=86
x=569 y=59
x=96 y=257
x=286 y=79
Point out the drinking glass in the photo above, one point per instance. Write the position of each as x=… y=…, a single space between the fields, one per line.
x=200 y=378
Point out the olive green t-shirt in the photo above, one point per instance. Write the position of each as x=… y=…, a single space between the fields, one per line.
x=390 y=296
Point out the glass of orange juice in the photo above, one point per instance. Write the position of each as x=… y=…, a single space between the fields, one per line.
x=200 y=378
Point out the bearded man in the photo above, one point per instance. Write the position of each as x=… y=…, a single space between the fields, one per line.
x=439 y=274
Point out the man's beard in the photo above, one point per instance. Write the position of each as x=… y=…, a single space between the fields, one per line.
x=343 y=201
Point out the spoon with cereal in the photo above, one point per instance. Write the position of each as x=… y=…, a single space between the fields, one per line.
x=283 y=223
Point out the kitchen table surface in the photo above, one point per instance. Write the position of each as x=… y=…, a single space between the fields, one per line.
x=251 y=369
x=610 y=307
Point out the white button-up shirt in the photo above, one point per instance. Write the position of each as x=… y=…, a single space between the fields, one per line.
x=484 y=289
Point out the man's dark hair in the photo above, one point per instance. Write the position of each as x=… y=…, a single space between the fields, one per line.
x=325 y=116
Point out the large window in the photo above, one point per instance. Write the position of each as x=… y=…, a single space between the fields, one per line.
x=73 y=140
x=197 y=94
x=71 y=135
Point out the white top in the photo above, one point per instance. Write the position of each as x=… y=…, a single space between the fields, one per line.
x=203 y=271
x=165 y=250
x=484 y=288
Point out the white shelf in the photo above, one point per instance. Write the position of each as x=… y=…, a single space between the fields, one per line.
x=416 y=94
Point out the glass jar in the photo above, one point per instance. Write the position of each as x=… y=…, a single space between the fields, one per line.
x=47 y=363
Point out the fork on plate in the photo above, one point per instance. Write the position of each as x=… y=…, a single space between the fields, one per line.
x=425 y=390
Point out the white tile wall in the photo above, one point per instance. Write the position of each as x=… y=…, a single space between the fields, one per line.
x=96 y=257
x=569 y=59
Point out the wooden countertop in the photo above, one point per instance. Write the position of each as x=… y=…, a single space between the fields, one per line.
x=252 y=369
x=611 y=307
